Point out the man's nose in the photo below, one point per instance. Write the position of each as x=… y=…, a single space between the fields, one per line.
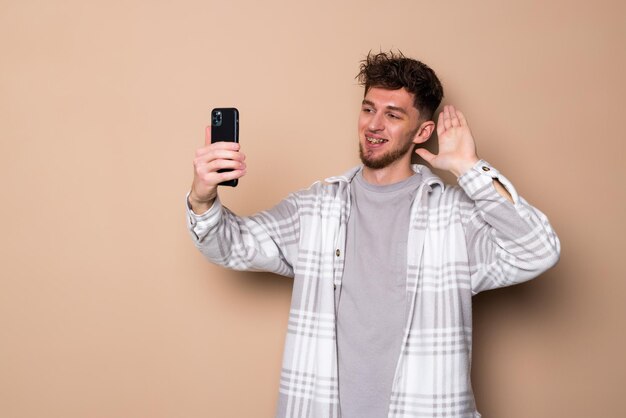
x=376 y=122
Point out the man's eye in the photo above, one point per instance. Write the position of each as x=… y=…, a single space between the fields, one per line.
x=368 y=110
x=393 y=116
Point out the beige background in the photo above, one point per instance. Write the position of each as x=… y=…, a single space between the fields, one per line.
x=107 y=309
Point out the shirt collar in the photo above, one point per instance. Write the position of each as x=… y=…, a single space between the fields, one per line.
x=428 y=177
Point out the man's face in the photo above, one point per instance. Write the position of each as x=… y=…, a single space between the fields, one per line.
x=388 y=125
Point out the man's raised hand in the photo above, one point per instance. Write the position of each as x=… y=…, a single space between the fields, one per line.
x=209 y=159
x=457 y=149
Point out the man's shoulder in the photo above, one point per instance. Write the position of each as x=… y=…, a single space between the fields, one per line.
x=330 y=189
x=343 y=178
x=331 y=185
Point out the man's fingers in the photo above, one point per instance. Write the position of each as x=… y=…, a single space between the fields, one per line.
x=454 y=119
x=461 y=116
x=216 y=165
x=225 y=145
x=447 y=117
x=210 y=155
x=218 y=159
x=206 y=164
x=217 y=178
x=229 y=147
x=226 y=154
x=231 y=175
x=440 y=128
x=450 y=119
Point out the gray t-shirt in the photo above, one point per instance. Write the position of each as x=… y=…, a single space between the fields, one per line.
x=373 y=301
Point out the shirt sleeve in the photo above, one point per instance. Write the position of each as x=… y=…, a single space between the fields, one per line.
x=266 y=241
x=507 y=243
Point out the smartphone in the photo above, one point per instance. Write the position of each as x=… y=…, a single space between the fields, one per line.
x=225 y=127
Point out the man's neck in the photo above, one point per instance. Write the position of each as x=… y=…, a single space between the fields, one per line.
x=388 y=175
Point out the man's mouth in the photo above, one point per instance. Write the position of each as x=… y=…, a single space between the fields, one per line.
x=375 y=140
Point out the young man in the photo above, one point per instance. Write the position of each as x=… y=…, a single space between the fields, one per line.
x=385 y=259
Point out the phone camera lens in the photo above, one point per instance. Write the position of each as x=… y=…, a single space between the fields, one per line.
x=217 y=118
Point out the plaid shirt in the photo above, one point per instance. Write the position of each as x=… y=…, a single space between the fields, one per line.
x=462 y=240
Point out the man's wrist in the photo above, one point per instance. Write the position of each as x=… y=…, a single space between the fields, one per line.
x=199 y=206
x=464 y=167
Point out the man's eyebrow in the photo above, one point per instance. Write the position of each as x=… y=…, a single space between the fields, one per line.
x=394 y=108
x=367 y=102
x=397 y=109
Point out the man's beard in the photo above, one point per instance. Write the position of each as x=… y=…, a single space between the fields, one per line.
x=386 y=159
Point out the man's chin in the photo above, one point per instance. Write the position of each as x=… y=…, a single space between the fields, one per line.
x=384 y=160
x=370 y=161
x=374 y=164
x=379 y=162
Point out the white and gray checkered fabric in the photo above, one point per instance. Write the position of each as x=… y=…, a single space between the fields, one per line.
x=462 y=240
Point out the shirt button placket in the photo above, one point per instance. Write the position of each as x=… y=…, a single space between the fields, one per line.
x=338 y=254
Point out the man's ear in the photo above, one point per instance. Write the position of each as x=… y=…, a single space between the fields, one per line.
x=424 y=132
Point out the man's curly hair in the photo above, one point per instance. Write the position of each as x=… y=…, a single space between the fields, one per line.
x=393 y=71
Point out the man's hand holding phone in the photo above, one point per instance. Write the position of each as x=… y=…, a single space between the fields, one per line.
x=209 y=159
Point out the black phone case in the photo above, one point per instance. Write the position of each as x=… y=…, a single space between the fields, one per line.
x=225 y=127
